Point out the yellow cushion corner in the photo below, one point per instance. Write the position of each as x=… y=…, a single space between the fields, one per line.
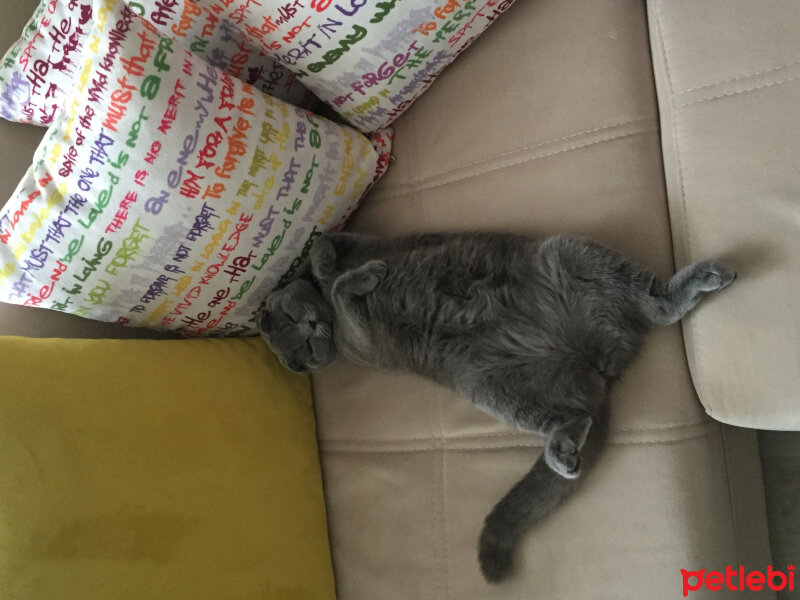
x=142 y=469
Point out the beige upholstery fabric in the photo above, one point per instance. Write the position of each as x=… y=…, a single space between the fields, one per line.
x=728 y=77
x=547 y=125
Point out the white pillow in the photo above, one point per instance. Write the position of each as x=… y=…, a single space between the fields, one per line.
x=38 y=70
x=369 y=60
x=171 y=195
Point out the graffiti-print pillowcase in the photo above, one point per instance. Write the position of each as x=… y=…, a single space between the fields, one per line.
x=38 y=71
x=368 y=60
x=220 y=44
x=171 y=195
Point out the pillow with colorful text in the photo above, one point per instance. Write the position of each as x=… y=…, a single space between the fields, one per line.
x=171 y=195
x=368 y=60
x=37 y=72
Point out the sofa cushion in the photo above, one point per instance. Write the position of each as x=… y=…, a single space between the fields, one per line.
x=37 y=72
x=217 y=42
x=158 y=469
x=548 y=124
x=728 y=79
x=370 y=64
x=117 y=222
x=19 y=144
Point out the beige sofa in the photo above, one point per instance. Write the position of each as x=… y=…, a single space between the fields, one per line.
x=667 y=130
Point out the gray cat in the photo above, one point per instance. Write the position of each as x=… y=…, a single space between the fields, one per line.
x=533 y=333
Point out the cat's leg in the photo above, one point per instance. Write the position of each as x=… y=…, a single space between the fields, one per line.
x=350 y=308
x=562 y=410
x=534 y=496
x=566 y=416
x=667 y=304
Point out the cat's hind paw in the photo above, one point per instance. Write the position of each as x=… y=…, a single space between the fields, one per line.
x=564 y=458
x=713 y=276
x=562 y=452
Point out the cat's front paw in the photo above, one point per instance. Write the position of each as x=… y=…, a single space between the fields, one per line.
x=367 y=277
x=360 y=281
x=712 y=276
x=375 y=271
x=322 y=257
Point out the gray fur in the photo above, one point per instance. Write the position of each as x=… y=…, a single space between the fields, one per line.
x=533 y=333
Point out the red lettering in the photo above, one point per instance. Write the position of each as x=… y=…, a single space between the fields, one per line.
x=771 y=575
x=692 y=587
x=151 y=156
x=755 y=581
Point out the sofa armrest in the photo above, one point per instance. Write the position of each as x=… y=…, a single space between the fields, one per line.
x=728 y=81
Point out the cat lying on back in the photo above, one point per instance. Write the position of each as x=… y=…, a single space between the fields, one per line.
x=533 y=333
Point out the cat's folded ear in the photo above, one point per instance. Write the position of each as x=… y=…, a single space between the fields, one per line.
x=263 y=319
x=273 y=303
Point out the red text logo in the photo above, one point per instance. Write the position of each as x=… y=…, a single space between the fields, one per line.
x=737 y=580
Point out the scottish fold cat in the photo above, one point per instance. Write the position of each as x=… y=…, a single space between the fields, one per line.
x=532 y=332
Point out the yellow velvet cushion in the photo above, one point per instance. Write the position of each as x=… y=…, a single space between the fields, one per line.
x=160 y=470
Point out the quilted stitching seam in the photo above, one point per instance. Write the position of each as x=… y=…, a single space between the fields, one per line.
x=509 y=434
x=737 y=92
x=633 y=129
x=571 y=136
x=739 y=78
x=523 y=441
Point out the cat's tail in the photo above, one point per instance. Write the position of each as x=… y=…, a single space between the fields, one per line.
x=537 y=494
